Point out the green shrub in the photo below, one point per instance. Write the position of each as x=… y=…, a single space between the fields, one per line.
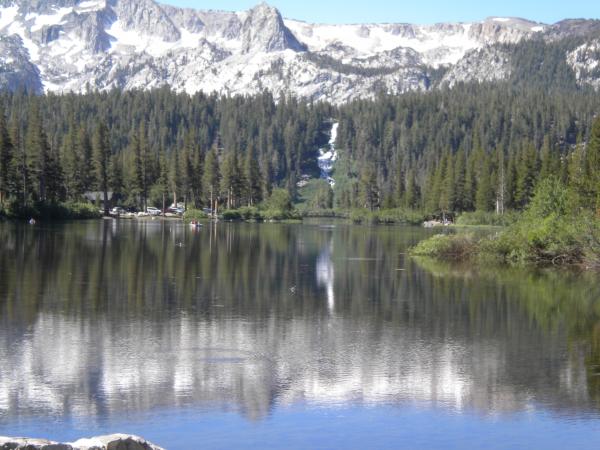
x=80 y=210
x=363 y=216
x=194 y=214
x=323 y=213
x=487 y=218
x=400 y=216
x=386 y=216
x=231 y=214
x=54 y=211
x=280 y=200
x=550 y=229
x=447 y=246
x=249 y=213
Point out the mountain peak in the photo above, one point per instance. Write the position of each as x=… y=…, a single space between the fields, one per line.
x=264 y=30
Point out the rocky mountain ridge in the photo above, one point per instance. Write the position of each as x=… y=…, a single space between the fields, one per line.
x=77 y=45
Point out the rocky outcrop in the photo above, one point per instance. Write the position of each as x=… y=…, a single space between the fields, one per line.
x=110 y=442
x=16 y=69
x=585 y=62
x=264 y=31
x=498 y=30
x=487 y=64
x=146 y=16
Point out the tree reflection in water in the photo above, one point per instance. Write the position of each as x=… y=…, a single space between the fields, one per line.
x=102 y=318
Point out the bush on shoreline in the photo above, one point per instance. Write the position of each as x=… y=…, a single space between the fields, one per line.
x=386 y=216
x=553 y=230
x=53 y=211
x=447 y=246
x=194 y=214
x=478 y=218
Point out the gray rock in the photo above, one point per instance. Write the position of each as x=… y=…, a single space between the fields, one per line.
x=19 y=443
x=146 y=16
x=109 y=442
x=16 y=69
x=264 y=30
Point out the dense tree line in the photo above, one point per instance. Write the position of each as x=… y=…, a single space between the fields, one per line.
x=473 y=147
x=148 y=146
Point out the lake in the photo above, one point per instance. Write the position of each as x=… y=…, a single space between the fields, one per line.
x=314 y=336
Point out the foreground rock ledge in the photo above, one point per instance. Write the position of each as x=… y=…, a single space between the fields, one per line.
x=110 y=442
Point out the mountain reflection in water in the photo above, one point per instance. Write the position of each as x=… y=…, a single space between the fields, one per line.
x=104 y=318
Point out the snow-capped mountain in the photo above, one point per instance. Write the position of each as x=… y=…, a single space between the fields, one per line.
x=75 y=45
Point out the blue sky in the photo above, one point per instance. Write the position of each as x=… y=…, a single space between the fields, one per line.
x=414 y=11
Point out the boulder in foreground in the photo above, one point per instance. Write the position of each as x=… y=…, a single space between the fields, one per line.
x=109 y=442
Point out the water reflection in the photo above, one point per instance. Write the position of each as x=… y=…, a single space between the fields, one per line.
x=107 y=318
x=325 y=273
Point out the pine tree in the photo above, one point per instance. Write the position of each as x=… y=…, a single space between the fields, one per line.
x=72 y=164
x=527 y=171
x=196 y=176
x=592 y=167
x=86 y=159
x=470 y=182
x=548 y=164
x=102 y=155
x=116 y=179
x=187 y=169
x=163 y=181
x=252 y=177
x=434 y=186
x=54 y=177
x=484 y=196
x=368 y=188
x=211 y=177
x=447 y=185
x=38 y=156
x=460 y=181
x=147 y=173
x=501 y=182
x=231 y=179
x=576 y=170
x=177 y=182
x=411 y=196
x=141 y=169
x=19 y=163
x=511 y=176
x=6 y=161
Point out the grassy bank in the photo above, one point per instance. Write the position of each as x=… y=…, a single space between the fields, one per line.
x=553 y=230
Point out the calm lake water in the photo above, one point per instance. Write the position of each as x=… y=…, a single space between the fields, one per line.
x=289 y=336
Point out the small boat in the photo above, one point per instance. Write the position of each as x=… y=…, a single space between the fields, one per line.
x=195 y=224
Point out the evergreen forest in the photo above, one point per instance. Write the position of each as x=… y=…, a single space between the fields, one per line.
x=475 y=147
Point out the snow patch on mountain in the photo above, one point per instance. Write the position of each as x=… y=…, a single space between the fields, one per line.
x=8 y=16
x=369 y=40
x=41 y=20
